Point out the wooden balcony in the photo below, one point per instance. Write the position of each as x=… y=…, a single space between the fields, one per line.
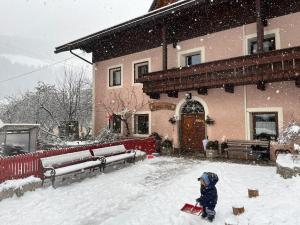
x=279 y=65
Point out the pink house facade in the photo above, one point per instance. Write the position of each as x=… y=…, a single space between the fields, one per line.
x=235 y=80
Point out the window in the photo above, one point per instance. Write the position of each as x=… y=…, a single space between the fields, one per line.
x=140 y=69
x=141 y=124
x=269 y=44
x=115 y=77
x=115 y=124
x=191 y=57
x=265 y=125
x=194 y=59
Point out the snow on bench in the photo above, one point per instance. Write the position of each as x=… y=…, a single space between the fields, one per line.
x=107 y=151
x=115 y=154
x=59 y=165
x=66 y=158
x=118 y=158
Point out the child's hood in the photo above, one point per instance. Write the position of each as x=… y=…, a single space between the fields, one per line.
x=210 y=179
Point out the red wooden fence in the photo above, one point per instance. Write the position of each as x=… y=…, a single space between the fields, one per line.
x=22 y=166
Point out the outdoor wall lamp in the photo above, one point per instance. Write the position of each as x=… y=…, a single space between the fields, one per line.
x=188 y=96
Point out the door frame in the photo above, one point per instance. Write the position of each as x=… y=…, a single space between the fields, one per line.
x=178 y=109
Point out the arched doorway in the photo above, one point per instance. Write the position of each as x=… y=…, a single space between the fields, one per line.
x=192 y=126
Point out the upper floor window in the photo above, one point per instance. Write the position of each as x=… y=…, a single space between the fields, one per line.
x=269 y=44
x=140 y=69
x=193 y=59
x=141 y=124
x=115 y=77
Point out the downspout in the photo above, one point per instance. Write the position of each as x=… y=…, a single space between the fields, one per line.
x=94 y=101
x=80 y=57
x=245 y=87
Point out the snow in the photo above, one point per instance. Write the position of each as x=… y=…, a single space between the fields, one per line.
x=24 y=60
x=297 y=148
x=152 y=192
x=112 y=150
x=288 y=160
x=291 y=133
x=73 y=168
x=65 y=158
x=15 y=184
x=116 y=158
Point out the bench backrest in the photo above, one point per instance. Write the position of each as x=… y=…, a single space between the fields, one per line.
x=69 y=158
x=246 y=143
x=112 y=150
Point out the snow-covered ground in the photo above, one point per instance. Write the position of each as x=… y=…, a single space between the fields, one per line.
x=152 y=193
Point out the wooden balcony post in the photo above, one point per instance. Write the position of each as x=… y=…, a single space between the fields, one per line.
x=260 y=27
x=164 y=47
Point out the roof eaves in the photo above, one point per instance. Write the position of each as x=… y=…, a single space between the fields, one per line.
x=169 y=9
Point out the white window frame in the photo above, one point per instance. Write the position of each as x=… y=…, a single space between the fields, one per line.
x=249 y=112
x=108 y=76
x=133 y=65
x=133 y=123
x=181 y=56
x=267 y=32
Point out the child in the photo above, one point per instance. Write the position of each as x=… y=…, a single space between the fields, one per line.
x=209 y=195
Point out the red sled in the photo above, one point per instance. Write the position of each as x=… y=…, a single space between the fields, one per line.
x=192 y=209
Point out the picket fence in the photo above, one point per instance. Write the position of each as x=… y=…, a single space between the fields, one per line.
x=22 y=166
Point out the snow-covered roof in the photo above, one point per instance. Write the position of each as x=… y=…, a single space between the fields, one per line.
x=163 y=11
x=17 y=126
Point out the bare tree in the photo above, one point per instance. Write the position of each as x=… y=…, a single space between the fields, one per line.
x=49 y=105
x=124 y=104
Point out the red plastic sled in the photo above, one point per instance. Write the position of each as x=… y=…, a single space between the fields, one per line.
x=192 y=209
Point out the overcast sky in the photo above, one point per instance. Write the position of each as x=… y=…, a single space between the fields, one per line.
x=55 y=22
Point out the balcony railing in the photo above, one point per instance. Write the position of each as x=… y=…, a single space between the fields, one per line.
x=279 y=65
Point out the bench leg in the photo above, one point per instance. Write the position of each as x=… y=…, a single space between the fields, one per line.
x=53 y=181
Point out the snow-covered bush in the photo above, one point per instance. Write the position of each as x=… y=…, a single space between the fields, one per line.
x=297 y=148
x=106 y=136
x=290 y=134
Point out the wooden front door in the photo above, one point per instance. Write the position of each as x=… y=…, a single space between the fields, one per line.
x=192 y=132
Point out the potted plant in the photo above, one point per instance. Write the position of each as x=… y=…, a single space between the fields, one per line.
x=166 y=147
x=212 y=149
x=172 y=120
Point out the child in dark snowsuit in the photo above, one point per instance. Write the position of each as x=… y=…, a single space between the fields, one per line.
x=209 y=195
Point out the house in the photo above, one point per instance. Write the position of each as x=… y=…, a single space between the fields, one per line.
x=221 y=69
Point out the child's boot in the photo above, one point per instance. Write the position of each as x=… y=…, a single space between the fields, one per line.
x=204 y=214
x=211 y=218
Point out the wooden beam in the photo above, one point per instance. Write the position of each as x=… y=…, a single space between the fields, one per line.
x=172 y=94
x=259 y=26
x=229 y=88
x=298 y=82
x=164 y=47
x=261 y=85
x=203 y=91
